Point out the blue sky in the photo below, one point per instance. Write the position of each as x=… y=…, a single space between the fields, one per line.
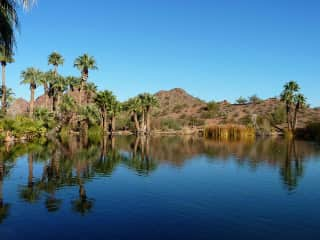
x=213 y=49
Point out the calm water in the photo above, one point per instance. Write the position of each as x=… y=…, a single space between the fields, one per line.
x=160 y=188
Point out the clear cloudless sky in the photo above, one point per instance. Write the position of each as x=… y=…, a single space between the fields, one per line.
x=213 y=49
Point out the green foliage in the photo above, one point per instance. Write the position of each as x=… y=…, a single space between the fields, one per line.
x=23 y=127
x=89 y=114
x=246 y=120
x=94 y=134
x=212 y=106
x=32 y=77
x=170 y=124
x=194 y=121
x=278 y=116
x=254 y=99
x=55 y=59
x=294 y=102
x=65 y=134
x=212 y=110
x=241 y=100
x=44 y=115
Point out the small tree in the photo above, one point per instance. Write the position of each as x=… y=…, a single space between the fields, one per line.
x=242 y=100
x=254 y=99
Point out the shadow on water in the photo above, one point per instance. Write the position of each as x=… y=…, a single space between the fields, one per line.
x=76 y=162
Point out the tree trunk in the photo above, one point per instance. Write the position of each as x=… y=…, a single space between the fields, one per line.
x=148 y=124
x=142 y=123
x=54 y=103
x=113 y=124
x=4 y=89
x=31 y=110
x=105 y=129
x=135 y=116
x=295 y=119
x=80 y=93
x=46 y=95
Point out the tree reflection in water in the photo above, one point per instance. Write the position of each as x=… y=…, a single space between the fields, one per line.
x=76 y=162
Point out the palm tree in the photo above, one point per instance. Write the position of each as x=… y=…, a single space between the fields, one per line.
x=91 y=90
x=114 y=108
x=55 y=59
x=9 y=21
x=134 y=106
x=103 y=101
x=67 y=107
x=58 y=87
x=32 y=77
x=84 y=63
x=294 y=102
x=73 y=82
x=44 y=81
x=148 y=102
x=4 y=59
x=9 y=98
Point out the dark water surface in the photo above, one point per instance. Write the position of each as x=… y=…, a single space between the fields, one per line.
x=160 y=188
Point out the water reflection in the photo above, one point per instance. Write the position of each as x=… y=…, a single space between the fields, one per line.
x=76 y=162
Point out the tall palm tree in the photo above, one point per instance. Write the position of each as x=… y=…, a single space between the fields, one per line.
x=294 y=101
x=91 y=90
x=148 y=102
x=73 y=82
x=67 y=107
x=134 y=106
x=4 y=59
x=58 y=86
x=32 y=77
x=44 y=81
x=9 y=21
x=103 y=101
x=55 y=59
x=84 y=63
x=114 y=108
x=10 y=96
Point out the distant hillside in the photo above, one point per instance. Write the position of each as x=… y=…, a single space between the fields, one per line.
x=184 y=109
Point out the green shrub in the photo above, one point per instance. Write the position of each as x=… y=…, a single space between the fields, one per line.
x=65 y=134
x=94 y=134
x=278 y=116
x=172 y=124
x=241 y=100
x=255 y=99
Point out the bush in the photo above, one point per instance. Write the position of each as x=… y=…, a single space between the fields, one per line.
x=278 y=116
x=65 y=134
x=241 y=100
x=172 y=124
x=23 y=127
x=94 y=134
x=254 y=99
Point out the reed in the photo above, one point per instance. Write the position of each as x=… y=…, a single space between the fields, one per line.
x=229 y=132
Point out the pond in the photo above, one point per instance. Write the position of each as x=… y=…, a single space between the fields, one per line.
x=160 y=188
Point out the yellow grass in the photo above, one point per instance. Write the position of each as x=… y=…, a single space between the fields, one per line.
x=229 y=132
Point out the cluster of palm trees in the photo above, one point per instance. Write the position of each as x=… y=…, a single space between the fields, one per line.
x=74 y=99
x=56 y=85
x=294 y=102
